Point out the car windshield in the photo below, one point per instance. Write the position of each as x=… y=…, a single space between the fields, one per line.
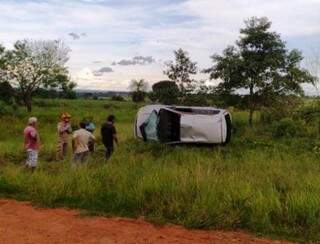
x=150 y=127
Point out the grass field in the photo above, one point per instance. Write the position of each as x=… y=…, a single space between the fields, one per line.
x=258 y=183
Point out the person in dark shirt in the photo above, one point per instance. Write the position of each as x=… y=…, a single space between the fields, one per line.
x=109 y=135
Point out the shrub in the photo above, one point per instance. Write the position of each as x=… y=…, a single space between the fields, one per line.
x=110 y=106
x=6 y=92
x=165 y=92
x=49 y=103
x=138 y=96
x=117 y=98
x=287 y=127
x=226 y=99
x=195 y=100
x=311 y=114
x=283 y=107
x=10 y=110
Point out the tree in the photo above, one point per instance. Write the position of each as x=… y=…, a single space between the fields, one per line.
x=138 y=90
x=181 y=70
x=6 y=92
x=260 y=64
x=36 y=64
x=67 y=90
x=66 y=86
x=165 y=92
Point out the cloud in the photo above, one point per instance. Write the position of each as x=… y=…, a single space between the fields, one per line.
x=76 y=36
x=105 y=70
x=137 y=60
x=102 y=71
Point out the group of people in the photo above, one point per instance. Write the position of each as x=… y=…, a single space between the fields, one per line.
x=83 y=139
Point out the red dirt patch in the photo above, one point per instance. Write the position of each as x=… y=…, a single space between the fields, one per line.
x=22 y=223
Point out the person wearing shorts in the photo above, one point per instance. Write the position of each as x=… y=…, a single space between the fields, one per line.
x=31 y=143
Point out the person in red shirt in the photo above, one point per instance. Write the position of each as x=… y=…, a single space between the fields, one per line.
x=31 y=143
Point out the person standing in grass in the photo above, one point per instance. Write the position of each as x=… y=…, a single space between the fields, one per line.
x=64 y=130
x=31 y=143
x=90 y=126
x=81 y=139
x=109 y=135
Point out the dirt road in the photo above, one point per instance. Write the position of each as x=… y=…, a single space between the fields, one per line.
x=22 y=223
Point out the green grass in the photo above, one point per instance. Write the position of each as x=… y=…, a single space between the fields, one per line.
x=267 y=186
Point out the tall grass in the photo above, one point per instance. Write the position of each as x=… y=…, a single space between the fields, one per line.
x=254 y=183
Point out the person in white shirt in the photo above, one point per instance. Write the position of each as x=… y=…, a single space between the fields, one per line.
x=80 y=141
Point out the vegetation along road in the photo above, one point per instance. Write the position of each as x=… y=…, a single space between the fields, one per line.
x=265 y=181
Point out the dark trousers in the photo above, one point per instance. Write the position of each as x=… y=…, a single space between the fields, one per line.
x=91 y=146
x=109 y=151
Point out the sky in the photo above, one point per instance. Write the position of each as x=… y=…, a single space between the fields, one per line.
x=114 y=41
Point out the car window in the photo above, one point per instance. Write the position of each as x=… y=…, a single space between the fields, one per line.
x=150 y=127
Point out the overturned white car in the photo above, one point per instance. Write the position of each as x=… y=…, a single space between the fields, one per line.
x=178 y=124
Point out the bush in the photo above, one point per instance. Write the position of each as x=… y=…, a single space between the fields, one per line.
x=6 y=92
x=3 y=109
x=287 y=127
x=117 y=98
x=165 y=92
x=281 y=108
x=226 y=100
x=311 y=114
x=138 y=96
x=10 y=110
x=49 y=103
x=195 y=100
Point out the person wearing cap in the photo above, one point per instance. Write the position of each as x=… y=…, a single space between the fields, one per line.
x=64 y=130
x=90 y=126
x=31 y=143
x=80 y=141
